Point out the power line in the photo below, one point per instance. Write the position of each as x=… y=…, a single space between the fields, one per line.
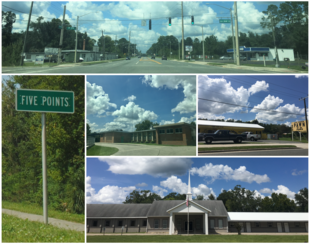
x=231 y=104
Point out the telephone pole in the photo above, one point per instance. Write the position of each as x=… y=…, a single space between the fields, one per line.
x=25 y=38
x=76 y=38
x=182 y=33
x=61 y=35
x=237 y=36
x=274 y=40
x=129 y=44
x=305 y=112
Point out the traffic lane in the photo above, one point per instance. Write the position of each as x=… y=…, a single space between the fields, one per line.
x=298 y=145
x=278 y=152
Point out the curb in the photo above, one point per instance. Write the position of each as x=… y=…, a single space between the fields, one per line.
x=253 y=149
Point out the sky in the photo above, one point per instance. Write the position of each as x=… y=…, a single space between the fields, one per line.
x=121 y=102
x=110 y=180
x=118 y=18
x=280 y=93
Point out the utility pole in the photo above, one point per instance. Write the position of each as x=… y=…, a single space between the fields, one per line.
x=25 y=38
x=76 y=38
x=102 y=38
x=274 y=41
x=305 y=112
x=115 y=44
x=203 y=45
x=129 y=43
x=237 y=37
x=61 y=35
x=182 y=33
x=179 y=50
x=233 y=36
x=170 y=49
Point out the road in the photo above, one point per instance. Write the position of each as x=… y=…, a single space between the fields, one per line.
x=278 y=152
x=141 y=66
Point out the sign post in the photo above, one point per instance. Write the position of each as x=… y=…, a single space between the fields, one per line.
x=44 y=101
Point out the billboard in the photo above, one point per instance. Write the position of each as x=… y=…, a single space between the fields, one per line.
x=39 y=59
x=299 y=126
x=188 y=48
x=51 y=51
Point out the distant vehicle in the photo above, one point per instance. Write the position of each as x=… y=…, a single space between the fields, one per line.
x=164 y=58
x=225 y=58
x=153 y=57
x=81 y=59
x=224 y=135
x=127 y=58
x=139 y=56
x=251 y=136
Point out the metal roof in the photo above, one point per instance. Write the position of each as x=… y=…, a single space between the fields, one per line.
x=175 y=124
x=229 y=124
x=261 y=216
x=118 y=210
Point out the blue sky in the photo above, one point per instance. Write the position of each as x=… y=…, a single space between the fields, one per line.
x=118 y=18
x=110 y=180
x=270 y=92
x=120 y=102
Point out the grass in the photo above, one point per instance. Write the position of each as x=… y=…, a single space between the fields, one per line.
x=103 y=61
x=200 y=238
x=101 y=151
x=35 y=209
x=18 y=230
x=295 y=139
x=214 y=64
x=202 y=149
x=299 y=68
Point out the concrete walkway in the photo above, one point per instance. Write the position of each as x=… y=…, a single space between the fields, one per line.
x=129 y=149
x=63 y=224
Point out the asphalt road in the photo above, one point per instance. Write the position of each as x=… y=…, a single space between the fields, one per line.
x=278 y=152
x=127 y=149
x=137 y=66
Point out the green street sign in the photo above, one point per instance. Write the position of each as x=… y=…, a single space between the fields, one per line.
x=224 y=20
x=45 y=101
x=71 y=28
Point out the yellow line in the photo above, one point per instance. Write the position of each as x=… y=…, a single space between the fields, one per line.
x=153 y=61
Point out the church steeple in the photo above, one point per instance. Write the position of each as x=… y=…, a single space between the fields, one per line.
x=189 y=193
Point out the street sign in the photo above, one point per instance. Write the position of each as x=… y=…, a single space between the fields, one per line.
x=189 y=48
x=39 y=59
x=71 y=28
x=46 y=101
x=299 y=126
x=224 y=20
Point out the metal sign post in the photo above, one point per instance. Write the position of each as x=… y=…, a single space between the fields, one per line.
x=44 y=101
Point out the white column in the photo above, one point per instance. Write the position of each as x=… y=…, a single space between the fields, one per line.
x=203 y=223
x=146 y=136
x=206 y=224
x=170 y=224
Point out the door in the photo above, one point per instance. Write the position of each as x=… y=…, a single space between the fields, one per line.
x=190 y=226
x=286 y=227
x=242 y=228
x=279 y=227
x=248 y=227
x=122 y=139
x=212 y=223
x=220 y=224
x=306 y=225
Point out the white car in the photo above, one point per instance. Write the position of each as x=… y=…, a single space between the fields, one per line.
x=225 y=58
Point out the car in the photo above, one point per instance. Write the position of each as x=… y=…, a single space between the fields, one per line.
x=127 y=58
x=225 y=58
x=139 y=56
x=242 y=58
x=153 y=57
x=163 y=58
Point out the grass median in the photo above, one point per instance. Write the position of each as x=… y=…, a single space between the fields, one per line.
x=199 y=238
x=18 y=230
x=101 y=151
x=244 y=148
x=35 y=209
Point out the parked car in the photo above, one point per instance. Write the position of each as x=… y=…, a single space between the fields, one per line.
x=201 y=136
x=251 y=136
x=127 y=58
x=153 y=57
x=225 y=58
x=224 y=135
x=163 y=58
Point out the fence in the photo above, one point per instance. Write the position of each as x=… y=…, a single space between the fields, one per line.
x=90 y=141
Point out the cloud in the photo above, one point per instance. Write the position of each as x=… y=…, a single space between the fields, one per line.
x=281 y=189
x=97 y=100
x=258 y=86
x=142 y=184
x=157 y=167
x=296 y=172
x=159 y=191
x=130 y=98
x=225 y=172
x=107 y=194
x=187 y=82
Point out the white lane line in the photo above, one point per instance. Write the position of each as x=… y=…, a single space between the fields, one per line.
x=137 y=62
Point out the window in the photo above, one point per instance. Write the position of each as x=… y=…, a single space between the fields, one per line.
x=156 y=223
x=120 y=223
x=257 y=224
x=28 y=56
x=296 y=224
x=232 y=225
x=269 y=224
x=169 y=131
x=144 y=223
x=165 y=224
x=95 y=222
x=107 y=223
x=178 y=130
x=220 y=223
x=212 y=223
x=161 y=131
x=232 y=132
x=132 y=223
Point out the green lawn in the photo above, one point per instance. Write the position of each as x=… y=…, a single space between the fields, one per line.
x=202 y=149
x=101 y=151
x=282 y=66
x=214 y=64
x=199 y=238
x=18 y=230
x=295 y=139
x=35 y=209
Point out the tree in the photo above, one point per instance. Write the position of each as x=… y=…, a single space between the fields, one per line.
x=144 y=196
x=277 y=203
x=211 y=197
x=301 y=199
x=88 y=129
x=175 y=196
x=199 y=197
x=145 y=125
x=8 y=19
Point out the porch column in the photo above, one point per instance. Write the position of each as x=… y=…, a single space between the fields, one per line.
x=141 y=136
x=170 y=224
x=137 y=138
x=146 y=137
x=203 y=223
x=206 y=224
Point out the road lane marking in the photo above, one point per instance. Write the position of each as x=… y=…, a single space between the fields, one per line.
x=137 y=62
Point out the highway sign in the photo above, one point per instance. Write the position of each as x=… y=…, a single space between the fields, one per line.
x=45 y=101
x=224 y=20
x=71 y=28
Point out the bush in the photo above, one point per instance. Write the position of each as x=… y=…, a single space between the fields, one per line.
x=11 y=54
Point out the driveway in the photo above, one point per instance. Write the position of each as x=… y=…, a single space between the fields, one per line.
x=128 y=149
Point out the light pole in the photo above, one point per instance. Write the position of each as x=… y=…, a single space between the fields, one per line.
x=232 y=28
x=274 y=40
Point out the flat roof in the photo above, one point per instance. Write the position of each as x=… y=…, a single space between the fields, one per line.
x=174 y=124
x=262 y=216
x=229 y=124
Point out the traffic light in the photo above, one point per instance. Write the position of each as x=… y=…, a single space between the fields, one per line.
x=192 y=20
x=150 y=24
x=169 y=21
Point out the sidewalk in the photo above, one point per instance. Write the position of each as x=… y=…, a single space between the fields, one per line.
x=63 y=224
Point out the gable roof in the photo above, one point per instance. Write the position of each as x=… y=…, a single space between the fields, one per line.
x=190 y=201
